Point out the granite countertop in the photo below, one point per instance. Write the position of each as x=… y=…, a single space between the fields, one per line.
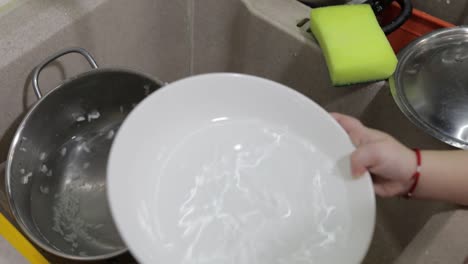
x=4 y=209
x=7 y=253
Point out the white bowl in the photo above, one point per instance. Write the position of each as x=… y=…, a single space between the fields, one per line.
x=230 y=168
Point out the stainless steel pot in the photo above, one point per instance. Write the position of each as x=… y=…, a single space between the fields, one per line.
x=55 y=174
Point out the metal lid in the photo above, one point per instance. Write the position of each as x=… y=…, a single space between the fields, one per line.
x=430 y=84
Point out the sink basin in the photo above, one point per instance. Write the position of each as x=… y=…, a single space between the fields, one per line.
x=178 y=38
x=453 y=11
x=8 y=5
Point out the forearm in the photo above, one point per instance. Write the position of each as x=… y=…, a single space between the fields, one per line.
x=444 y=176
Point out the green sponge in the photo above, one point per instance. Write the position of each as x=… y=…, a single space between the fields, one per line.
x=354 y=45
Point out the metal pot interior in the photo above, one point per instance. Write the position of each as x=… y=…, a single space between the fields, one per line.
x=56 y=170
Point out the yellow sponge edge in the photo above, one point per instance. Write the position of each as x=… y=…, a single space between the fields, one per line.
x=20 y=243
x=355 y=47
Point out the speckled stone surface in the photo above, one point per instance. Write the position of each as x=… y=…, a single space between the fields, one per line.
x=7 y=253
x=177 y=38
x=3 y=199
x=151 y=37
x=33 y=22
x=453 y=11
x=444 y=239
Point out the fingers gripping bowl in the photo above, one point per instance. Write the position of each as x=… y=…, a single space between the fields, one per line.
x=229 y=168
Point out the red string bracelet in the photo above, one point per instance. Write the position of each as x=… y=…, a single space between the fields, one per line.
x=416 y=174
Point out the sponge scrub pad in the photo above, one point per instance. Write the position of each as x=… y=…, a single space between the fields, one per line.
x=355 y=48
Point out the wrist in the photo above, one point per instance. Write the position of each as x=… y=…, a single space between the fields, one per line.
x=411 y=168
x=416 y=174
x=411 y=165
x=412 y=175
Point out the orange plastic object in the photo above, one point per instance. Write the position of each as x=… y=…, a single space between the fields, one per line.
x=419 y=24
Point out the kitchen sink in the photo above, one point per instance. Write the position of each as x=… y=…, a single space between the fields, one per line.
x=178 y=38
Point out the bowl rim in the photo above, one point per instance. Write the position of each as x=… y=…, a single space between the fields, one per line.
x=372 y=201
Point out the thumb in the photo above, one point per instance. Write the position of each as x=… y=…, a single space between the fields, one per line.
x=366 y=157
x=358 y=133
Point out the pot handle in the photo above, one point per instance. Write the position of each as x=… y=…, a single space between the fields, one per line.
x=405 y=14
x=40 y=67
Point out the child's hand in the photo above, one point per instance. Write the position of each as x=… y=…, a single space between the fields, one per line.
x=390 y=163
